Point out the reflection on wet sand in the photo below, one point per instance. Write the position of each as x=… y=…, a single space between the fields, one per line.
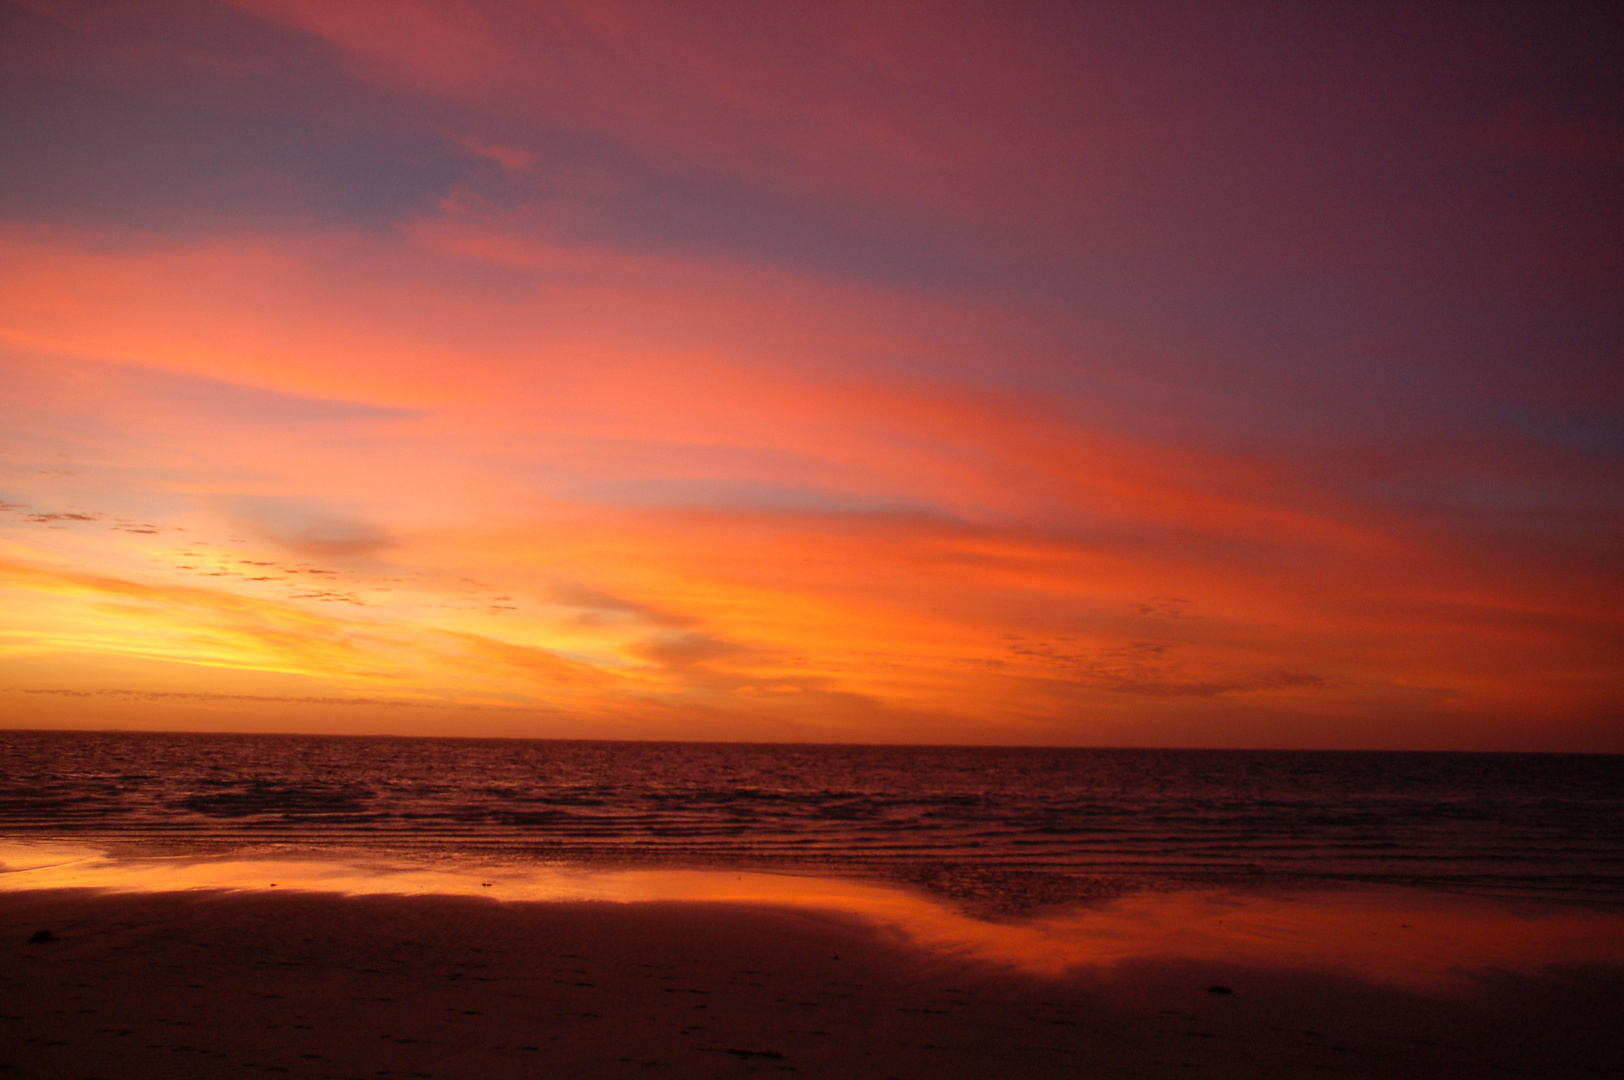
x=1400 y=936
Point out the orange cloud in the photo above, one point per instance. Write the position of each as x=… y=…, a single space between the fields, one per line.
x=849 y=551
x=968 y=430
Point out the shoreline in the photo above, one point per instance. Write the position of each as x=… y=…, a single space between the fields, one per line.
x=322 y=985
x=1411 y=937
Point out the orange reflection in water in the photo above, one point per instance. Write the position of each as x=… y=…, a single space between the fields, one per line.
x=1392 y=935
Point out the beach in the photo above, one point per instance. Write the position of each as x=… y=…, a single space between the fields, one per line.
x=332 y=908
x=303 y=983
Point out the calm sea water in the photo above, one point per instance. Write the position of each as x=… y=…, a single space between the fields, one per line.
x=1006 y=829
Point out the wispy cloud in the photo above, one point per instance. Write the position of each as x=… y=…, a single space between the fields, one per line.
x=847 y=372
x=302 y=528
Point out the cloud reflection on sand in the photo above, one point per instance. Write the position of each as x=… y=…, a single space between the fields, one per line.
x=1404 y=936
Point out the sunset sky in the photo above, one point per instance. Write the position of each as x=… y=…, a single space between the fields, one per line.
x=1122 y=374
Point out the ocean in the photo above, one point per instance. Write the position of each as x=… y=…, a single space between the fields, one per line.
x=992 y=829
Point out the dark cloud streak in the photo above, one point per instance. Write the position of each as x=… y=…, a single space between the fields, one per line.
x=184 y=116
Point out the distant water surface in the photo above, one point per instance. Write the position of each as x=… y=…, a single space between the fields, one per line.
x=997 y=828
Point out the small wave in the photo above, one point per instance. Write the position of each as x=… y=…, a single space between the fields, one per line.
x=1011 y=827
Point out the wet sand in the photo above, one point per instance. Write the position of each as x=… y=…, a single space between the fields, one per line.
x=209 y=983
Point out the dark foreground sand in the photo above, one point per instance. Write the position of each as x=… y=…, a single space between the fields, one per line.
x=178 y=985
